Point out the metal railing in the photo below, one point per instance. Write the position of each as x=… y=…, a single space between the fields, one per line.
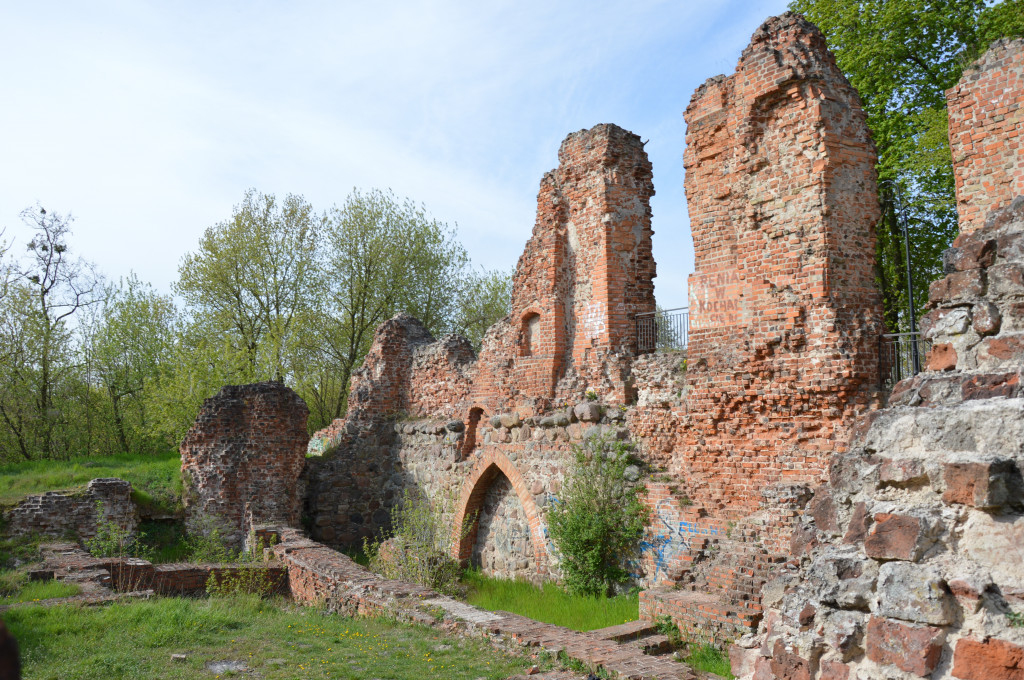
x=664 y=330
x=900 y=356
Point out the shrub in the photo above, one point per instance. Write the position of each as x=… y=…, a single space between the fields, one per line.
x=252 y=579
x=599 y=520
x=112 y=540
x=419 y=549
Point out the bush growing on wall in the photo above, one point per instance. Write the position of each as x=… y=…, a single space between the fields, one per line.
x=599 y=520
x=419 y=549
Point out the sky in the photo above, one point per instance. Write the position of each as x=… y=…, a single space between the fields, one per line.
x=148 y=121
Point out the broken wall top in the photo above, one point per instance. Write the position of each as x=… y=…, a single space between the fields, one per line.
x=784 y=311
x=986 y=119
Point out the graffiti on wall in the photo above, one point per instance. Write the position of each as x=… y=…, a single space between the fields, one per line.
x=670 y=537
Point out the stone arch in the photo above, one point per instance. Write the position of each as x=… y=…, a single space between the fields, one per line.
x=477 y=412
x=484 y=473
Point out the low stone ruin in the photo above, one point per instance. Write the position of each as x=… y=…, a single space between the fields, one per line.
x=58 y=513
x=242 y=458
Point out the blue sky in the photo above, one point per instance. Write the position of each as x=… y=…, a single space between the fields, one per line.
x=148 y=121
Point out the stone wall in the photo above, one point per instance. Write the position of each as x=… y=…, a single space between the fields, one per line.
x=782 y=197
x=986 y=115
x=242 y=458
x=908 y=561
x=910 y=555
x=56 y=513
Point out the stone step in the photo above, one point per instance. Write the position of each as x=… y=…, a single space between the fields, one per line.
x=626 y=632
x=655 y=645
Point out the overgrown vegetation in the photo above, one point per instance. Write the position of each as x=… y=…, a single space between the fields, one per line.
x=419 y=547
x=276 y=291
x=254 y=579
x=157 y=477
x=598 y=521
x=549 y=603
x=704 y=656
x=274 y=640
x=16 y=587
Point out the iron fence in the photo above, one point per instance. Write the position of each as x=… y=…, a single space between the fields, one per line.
x=900 y=356
x=663 y=330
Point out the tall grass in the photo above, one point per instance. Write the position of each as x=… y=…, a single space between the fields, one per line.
x=274 y=639
x=156 y=478
x=549 y=603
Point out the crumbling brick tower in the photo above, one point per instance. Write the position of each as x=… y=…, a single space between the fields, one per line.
x=585 y=274
x=986 y=133
x=784 y=312
x=242 y=457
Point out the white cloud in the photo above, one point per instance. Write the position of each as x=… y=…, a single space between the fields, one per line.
x=149 y=121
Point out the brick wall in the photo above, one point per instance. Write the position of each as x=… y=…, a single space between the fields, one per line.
x=57 y=513
x=908 y=559
x=242 y=458
x=784 y=313
x=986 y=119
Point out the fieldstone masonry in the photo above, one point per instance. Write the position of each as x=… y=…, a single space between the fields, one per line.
x=908 y=561
x=242 y=458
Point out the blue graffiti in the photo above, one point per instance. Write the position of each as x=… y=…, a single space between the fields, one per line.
x=670 y=537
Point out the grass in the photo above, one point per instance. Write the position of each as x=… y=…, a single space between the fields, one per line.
x=706 y=657
x=550 y=603
x=155 y=478
x=164 y=542
x=274 y=640
x=33 y=591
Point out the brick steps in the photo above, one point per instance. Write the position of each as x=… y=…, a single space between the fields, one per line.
x=624 y=632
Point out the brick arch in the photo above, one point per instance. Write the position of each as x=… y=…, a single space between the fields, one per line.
x=491 y=464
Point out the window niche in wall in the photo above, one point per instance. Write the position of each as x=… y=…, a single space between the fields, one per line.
x=530 y=334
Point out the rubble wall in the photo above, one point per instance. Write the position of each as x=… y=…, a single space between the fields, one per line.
x=56 y=513
x=908 y=561
x=986 y=116
x=241 y=459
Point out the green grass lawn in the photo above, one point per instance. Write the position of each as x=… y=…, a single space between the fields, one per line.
x=156 y=479
x=275 y=640
x=33 y=591
x=550 y=603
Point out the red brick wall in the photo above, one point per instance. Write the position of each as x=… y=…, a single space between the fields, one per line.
x=242 y=458
x=784 y=312
x=986 y=132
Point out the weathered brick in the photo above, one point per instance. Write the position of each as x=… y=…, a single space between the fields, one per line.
x=991 y=659
x=896 y=537
x=912 y=648
x=942 y=358
x=983 y=484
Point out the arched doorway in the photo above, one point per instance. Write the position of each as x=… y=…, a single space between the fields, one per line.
x=489 y=495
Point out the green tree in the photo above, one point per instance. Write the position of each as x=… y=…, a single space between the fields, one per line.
x=380 y=256
x=252 y=278
x=901 y=56
x=134 y=339
x=484 y=298
x=39 y=369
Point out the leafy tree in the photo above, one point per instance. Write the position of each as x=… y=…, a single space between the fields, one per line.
x=485 y=297
x=252 y=278
x=48 y=290
x=901 y=56
x=599 y=519
x=133 y=341
x=380 y=256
